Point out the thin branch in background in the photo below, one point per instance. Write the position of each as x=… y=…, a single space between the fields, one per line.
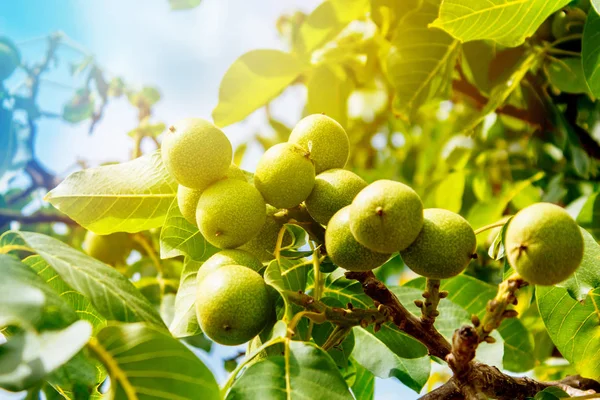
x=36 y=218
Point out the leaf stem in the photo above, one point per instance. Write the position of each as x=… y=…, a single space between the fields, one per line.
x=563 y=52
x=279 y=243
x=141 y=240
x=249 y=357
x=568 y=38
x=490 y=226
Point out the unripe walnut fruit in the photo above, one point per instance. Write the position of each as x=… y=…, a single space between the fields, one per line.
x=230 y=213
x=233 y=305
x=386 y=216
x=196 y=153
x=285 y=175
x=544 y=244
x=334 y=189
x=344 y=250
x=444 y=247
x=325 y=139
x=187 y=199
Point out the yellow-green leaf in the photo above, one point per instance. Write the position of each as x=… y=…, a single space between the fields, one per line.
x=144 y=363
x=590 y=52
x=507 y=22
x=573 y=326
x=326 y=21
x=420 y=61
x=252 y=81
x=328 y=91
x=128 y=197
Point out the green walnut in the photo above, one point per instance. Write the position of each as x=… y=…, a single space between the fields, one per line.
x=285 y=175
x=111 y=249
x=568 y=22
x=544 y=244
x=386 y=216
x=444 y=247
x=263 y=245
x=196 y=153
x=187 y=199
x=10 y=58
x=228 y=257
x=233 y=305
x=344 y=250
x=325 y=139
x=230 y=213
x=333 y=190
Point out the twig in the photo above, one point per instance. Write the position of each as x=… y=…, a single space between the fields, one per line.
x=39 y=217
x=432 y=296
x=436 y=344
x=496 y=309
x=344 y=317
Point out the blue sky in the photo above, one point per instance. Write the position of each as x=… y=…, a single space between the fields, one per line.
x=183 y=53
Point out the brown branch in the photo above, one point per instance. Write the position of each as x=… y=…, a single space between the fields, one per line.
x=436 y=344
x=472 y=379
x=479 y=101
x=36 y=218
x=494 y=384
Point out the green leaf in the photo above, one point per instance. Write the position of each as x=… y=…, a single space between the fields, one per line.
x=128 y=197
x=184 y=322
x=27 y=357
x=484 y=213
x=326 y=21
x=303 y=371
x=420 y=61
x=184 y=4
x=78 y=302
x=376 y=357
x=80 y=107
x=111 y=293
x=590 y=51
x=449 y=192
x=346 y=290
x=507 y=22
x=551 y=393
x=252 y=81
x=293 y=274
x=27 y=301
x=328 y=91
x=144 y=363
x=589 y=216
x=567 y=76
x=573 y=326
x=587 y=276
x=364 y=383
x=180 y=238
x=146 y=97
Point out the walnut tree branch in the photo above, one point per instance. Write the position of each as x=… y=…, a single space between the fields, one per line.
x=471 y=378
x=436 y=344
x=342 y=317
